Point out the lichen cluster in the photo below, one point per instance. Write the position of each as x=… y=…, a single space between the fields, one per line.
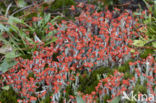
x=91 y=58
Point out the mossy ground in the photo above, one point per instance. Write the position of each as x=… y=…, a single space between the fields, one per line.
x=8 y=96
x=146 y=52
x=88 y=82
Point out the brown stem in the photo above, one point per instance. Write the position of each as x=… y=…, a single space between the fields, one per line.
x=150 y=42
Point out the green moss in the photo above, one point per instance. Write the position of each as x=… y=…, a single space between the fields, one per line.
x=127 y=75
x=106 y=97
x=31 y=75
x=138 y=81
x=146 y=53
x=61 y=4
x=140 y=88
x=55 y=57
x=125 y=67
x=151 y=28
x=46 y=100
x=8 y=96
x=88 y=83
x=122 y=69
x=145 y=82
x=69 y=91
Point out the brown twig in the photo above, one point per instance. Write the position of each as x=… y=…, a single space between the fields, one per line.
x=21 y=9
x=2 y=58
x=126 y=4
x=3 y=22
x=32 y=8
x=3 y=18
x=150 y=42
x=143 y=47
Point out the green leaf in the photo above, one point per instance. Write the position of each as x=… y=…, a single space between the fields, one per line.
x=7 y=10
x=79 y=99
x=14 y=20
x=154 y=44
x=52 y=33
x=148 y=6
x=116 y=100
x=14 y=28
x=132 y=50
x=30 y=40
x=98 y=76
x=3 y=28
x=136 y=13
x=6 y=64
x=4 y=40
x=6 y=87
x=21 y=3
x=53 y=40
x=11 y=55
x=5 y=49
x=47 y=18
x=139 y=43
x=54 y=19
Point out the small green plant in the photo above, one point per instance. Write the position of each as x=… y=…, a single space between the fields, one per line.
x=39 y=29
x=125 y=67
x=146 y=53
x=46 y=100
x=8 y=96
x=150 y=23
x=61 y=4
x=16 y=36
x=88 y=82
x=19 y=43
x=140 y=88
